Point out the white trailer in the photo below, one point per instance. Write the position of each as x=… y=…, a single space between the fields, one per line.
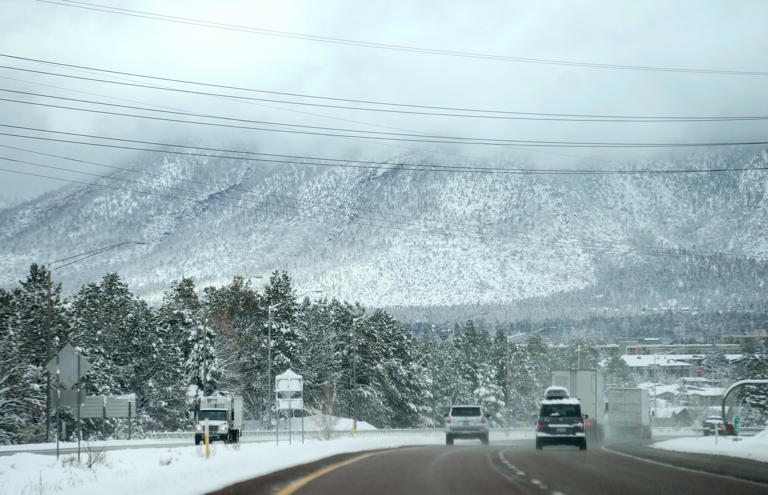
x=586 y=385
x=628 y=412
x=224 y=414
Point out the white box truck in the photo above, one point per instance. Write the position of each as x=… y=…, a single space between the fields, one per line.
x=587 y=386
x=225 y=418
x=628 y=412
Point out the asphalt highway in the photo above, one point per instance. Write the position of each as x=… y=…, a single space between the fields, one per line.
x=511 y=467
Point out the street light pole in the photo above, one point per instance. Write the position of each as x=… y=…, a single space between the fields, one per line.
x=49 y=316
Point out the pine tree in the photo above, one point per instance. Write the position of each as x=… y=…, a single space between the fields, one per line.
x=618 y=373
x=238 y=316
x=39 y=326
x=489 y=394
x=286 y=339
x=525 y=387
x=716 y=365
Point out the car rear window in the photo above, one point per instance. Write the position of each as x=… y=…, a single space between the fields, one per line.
x=465 y=411
x=560 y=410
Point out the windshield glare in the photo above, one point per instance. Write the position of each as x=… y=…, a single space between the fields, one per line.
x=560 y=410
x=212 y=415
x=465 y=411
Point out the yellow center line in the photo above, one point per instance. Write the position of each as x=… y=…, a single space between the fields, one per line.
x=296 y=485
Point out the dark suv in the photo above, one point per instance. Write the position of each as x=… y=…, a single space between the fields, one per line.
x=560 y=422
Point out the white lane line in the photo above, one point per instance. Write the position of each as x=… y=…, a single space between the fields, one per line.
x=511 y=466
x=557 y=493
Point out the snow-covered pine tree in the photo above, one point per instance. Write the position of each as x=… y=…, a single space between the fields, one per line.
x=716 y=365
x=406 y=387
x=323 y=351
x=525 y=388
x=40 y=326
x=618 y=373
x=20 y=400
x=236 y=313
x=582 y=354
x=287 y=340
x=489 y=394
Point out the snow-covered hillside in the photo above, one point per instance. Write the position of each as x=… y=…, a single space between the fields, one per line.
x=403 y=238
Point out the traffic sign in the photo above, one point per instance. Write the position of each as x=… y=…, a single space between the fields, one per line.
x=69 y=397
x=93 y=407
x=70 y=365
x=736 y=425
x=120 y=407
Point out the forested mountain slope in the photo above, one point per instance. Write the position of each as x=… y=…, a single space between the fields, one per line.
x=398 y=237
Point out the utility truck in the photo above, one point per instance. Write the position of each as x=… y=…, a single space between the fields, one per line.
x=224 y=414
x=587 y=386
x=628 y=412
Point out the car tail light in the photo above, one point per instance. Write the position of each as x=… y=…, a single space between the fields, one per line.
x=540 y=426
x=447 y=420
x=719 y=425
x=482 y=420
x=589 y=423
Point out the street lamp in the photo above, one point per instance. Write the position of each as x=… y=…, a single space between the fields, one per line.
x=270 y=308
x=49 y=310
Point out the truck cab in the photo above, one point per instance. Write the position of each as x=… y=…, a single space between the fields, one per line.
x=224 y=415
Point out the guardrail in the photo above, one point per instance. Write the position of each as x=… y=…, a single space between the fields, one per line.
x=269 y=435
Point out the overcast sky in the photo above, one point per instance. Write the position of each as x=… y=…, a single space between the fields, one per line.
x=707 y=35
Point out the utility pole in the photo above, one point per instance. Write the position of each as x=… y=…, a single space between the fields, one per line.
x=269 y=363
x=354 y=353
x=48 y=346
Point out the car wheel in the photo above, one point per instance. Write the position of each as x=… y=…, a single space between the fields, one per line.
x=484 y=439
x=448 y=440
x=197 y=439
x=539 y=444
x=583 y=444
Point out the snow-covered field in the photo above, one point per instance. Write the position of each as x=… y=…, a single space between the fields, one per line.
x=754 y=448
x=183 y=469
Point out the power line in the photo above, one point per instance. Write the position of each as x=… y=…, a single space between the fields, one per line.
x=433 y=139
x=398 y=107
x=348 y=163
x=388 y=46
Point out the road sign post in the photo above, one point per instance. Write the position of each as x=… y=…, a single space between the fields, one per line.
x=289 y=394
x=69 y=367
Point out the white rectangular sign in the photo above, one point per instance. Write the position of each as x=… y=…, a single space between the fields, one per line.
x=93 y=407
x=285 y=404
x=119 y=408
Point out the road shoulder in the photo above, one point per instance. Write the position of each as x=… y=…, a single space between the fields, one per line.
x=732 y=467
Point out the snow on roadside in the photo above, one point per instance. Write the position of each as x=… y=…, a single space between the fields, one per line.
x=754 y=448
x=178 y=470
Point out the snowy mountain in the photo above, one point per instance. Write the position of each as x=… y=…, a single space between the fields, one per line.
x=395 y=237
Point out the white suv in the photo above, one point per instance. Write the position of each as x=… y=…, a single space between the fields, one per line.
x=466 y=421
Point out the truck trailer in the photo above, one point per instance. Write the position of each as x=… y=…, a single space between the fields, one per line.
x=224 y=414
x=628 y=412
x=586 y=385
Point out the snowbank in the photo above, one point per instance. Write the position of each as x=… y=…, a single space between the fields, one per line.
x=754 y=448
x=182 y=470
